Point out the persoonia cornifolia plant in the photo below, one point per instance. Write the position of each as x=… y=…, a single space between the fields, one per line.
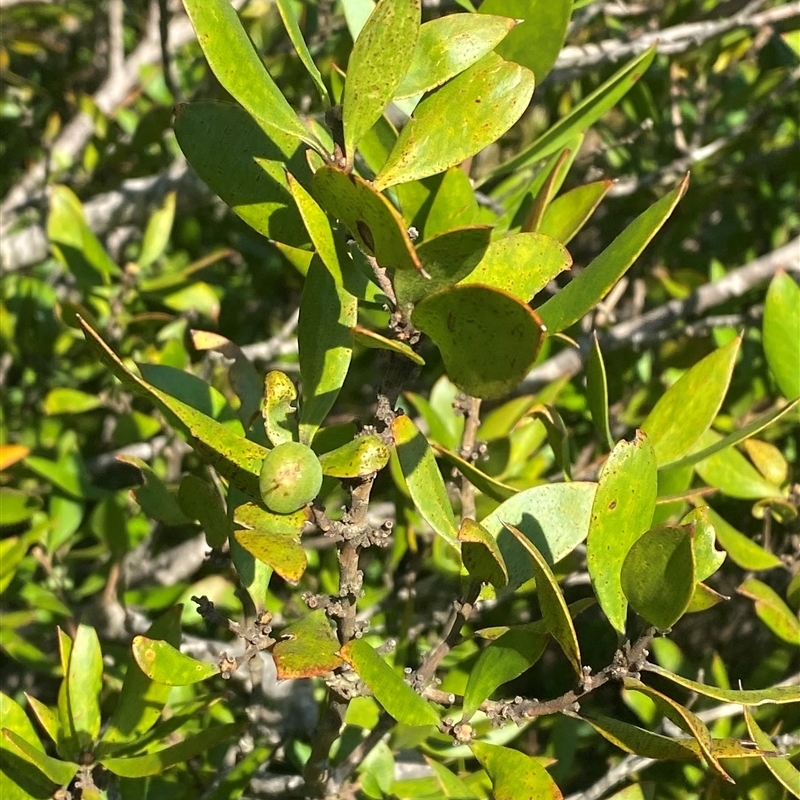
x=402 y=253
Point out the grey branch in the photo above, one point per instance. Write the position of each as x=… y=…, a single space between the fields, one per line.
x=639 y=331
x=578 y=59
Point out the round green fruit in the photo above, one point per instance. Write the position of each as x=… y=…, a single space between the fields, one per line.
x=291 y=477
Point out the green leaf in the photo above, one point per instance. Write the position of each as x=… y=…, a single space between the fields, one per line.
x=444 y=202
x=772 y=610
x=521 y=265
x=279 y=408
x=458 y=120
x=239 y=69
x=447 y=46
x=327 y=312
x=685 y=720
x=743 y=551
x=398 y=699
x=686 y=410
x=374 y=341
x=554 y=517
x=450 y=785
x=537 y=40
x=84 y=683
x=551 y=600
x=597 y=392
x=363 y=456
x=781 y=333
x=380 y=58
x=730 y=472
x=46 y=717
x=480 y=480
x=585 y=114
x=141 y=700
x=707 y=558
x=588 y=288
x=778 y=695
x=481 y=555
x=15 y=719
x=157 y=233
x=446 y=259
x=423 y=478
x=739 y=435
x=301 y=48
x=235 y=458
x=307 y=648
x=371 y=219
x=153 y=496
x=70 y=401
x=567 y=214
x=488 y=338
x=73 y=242
x=254 y=517
x=201 y=502
x=163 y=663
x=59 y=772
x=283 y=552
x=156 y=763
x=504 y=659
x=641 y=742
x=622 y=511
x=781 y=768
x=658 y=574
x=514 y=774
x=245 y=165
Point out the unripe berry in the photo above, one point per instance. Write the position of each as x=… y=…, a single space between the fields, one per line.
x=291 y=477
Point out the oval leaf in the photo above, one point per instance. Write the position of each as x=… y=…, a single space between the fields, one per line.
x=222 y=142
x=522 y=264
x=163 y=663
x=514 y=774
x=481 y=555
x=567 y=214
x=447 y=46
x=307 y=648
x=458 y=120
x=622 y=511
x=488 y=338
x=555 y=517
x=363 y=456
x=398 y=699
x=772 y=610
x=381 y=56
x=371 y=219
x=658 y=574
x=281 y=551
x=199 y=501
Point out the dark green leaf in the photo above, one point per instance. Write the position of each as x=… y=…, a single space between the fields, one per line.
x=480 y=480
x=481 y=555
x=487 y=337
x=597 y=392
x=327 y=312
x=239 y=69
x=658 y=574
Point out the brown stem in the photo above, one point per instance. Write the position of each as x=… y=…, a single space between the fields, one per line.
x=451 y=634
x=472 y=420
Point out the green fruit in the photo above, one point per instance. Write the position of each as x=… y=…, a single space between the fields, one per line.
x=291 y=477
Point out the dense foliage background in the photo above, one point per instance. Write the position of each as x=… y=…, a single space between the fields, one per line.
x=91 y=530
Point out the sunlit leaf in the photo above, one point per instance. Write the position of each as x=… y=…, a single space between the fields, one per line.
x=391 y=691
x=782 y=333
x=514 y=774
x=307 y=648
x=622 y=511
